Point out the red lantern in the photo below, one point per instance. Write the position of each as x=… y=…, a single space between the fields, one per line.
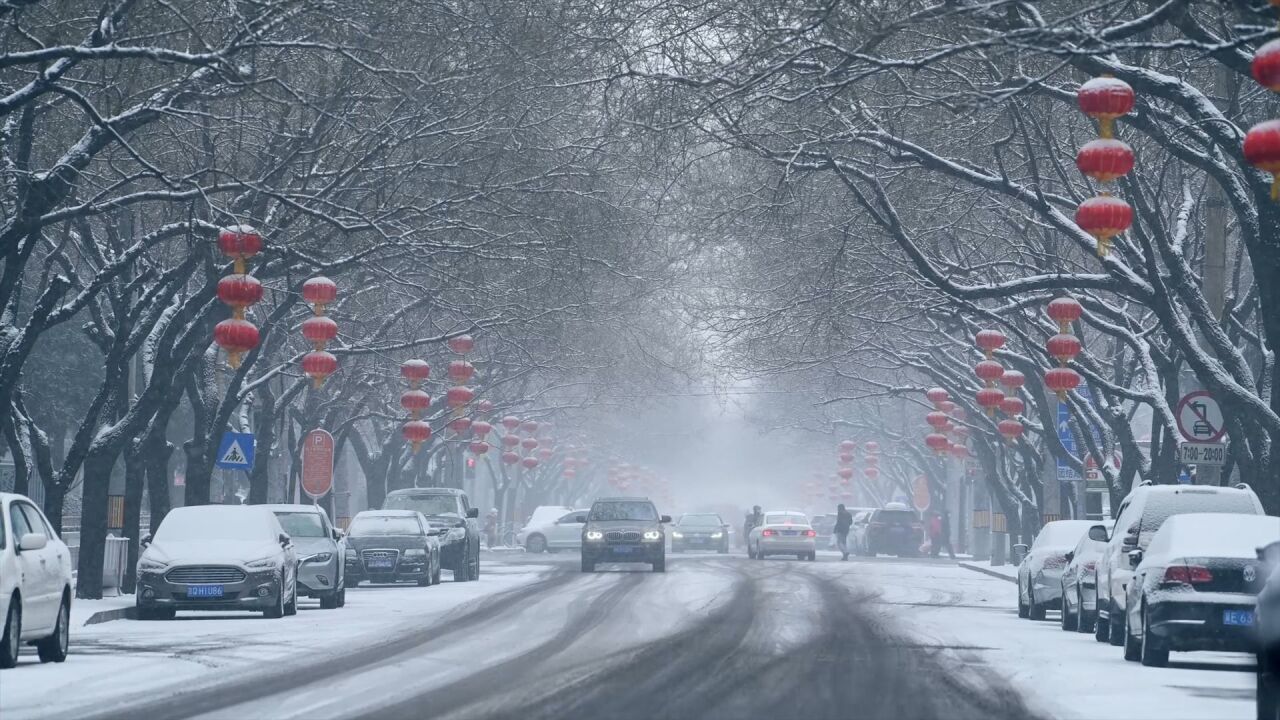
x=871 y=473
x=319 y=365
x=1262 y=150
x=415 y=401
x=416 y=432
x=1012 y=406
x=846 y=458
x=937 y=442
x=461 y=344
x=872 y=446
x=239 y=292
x=460 y=371
x=845 y=472
x=847 y=446
x=239 y=242
x=1064 y=311
x=1063 y=347
x=1105 y=99
x=478 y=447
x=484 y=407
x=569 y=473
x=1104 y=217
x=480 y=428
x=415 y=371
x=872 y=461
x=544 y=454
x=236 y=337
x=961 y=432
x=958 y=452
x=1105 y=160
x=947 y=407
x=458 y=397
x=989 y=371
x=460 y=426
x=529 y=463
x=319 y=291
x=510 y=422
x=510 y=458
x=989 y=341
x=989 y=399
x=319 y=330
x=528 y=443
x=1266 y=66
x=1010 y=429
x=936 y=395
x=529 y=426
x=511 y=440
x=1012 y=380
x=936 y=419
x=959 y=414
x=1061 y=381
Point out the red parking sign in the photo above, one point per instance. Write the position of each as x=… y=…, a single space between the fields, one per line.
x=317 y=464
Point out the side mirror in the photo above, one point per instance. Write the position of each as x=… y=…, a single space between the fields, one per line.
x=284 y=539
x=473 y=513
x=1098 y=533
x=1135 y=558
x=32 y=541
x=664 y=519
x=146 y=540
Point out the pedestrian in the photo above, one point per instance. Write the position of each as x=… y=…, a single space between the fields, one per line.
x=934 y=531
x=946 y=534
x=844 y=521
x=491 y=527
x=754 y=519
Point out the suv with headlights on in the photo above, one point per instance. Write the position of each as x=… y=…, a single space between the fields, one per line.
x=624 y=529
x=448 y=510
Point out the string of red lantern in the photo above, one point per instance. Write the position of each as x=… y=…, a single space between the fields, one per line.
x=1105 y=160
x=237 y=336
x=319 y=329
x=1063 y=347
x=989 y=371
x=416 y=401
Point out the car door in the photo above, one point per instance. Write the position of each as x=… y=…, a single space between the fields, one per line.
x=1111 y=557
x=566 y=532
x=35 y=573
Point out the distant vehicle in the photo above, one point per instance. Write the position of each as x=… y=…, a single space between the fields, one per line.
x=35 y=583
x=824 y=525
x=551 y=528
x=1080 y=581
x=321 y=550
x=700 y=531
x=387 y=546
x=1040 y=572
x=1195 y=586
x=783 y=533
x=1140 y=515
x=894 y=529
x=217 y=557
x=1268 y=619
x=857 y=540
x=624 y=529
x=450 y=510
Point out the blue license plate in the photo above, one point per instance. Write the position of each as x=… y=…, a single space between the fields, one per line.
x=204 y=591
x=1237 y=617
x=624 y=549
x=790 y=532
x=383 y=563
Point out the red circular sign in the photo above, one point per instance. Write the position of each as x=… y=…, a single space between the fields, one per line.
x=317 y=464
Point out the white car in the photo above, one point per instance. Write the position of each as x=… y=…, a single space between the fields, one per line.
x=553 y=527
x=783 y=533
x=1040 y=572
x=35 y=583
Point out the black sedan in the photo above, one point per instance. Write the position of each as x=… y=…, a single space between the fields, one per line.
x=700 y=531
x=387 y=546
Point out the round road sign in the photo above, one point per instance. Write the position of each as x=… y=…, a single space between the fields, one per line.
x=317 y=464
x=1200 y=418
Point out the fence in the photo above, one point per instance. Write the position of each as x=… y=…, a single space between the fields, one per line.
x=115 y=559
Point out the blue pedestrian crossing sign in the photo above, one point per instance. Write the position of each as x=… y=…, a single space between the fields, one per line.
x=235 y=452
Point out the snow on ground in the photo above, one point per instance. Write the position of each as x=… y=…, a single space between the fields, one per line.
x=115 y=662
x=1068 y=674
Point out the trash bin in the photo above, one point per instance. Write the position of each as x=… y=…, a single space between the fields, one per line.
x=114 y=559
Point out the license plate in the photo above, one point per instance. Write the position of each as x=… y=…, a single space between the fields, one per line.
x=381 y=562
x=790 y=532
x=624 y=549
x=1237 y=617
x=204 y=591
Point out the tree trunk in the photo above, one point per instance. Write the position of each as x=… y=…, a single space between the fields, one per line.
x=156 y=456
x=93 y=521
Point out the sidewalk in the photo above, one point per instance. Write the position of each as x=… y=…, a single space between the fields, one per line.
x=1004 y=572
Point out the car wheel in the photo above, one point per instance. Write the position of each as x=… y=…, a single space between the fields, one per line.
x=54 y=648
x=1085 y=620
x=425 y=580
x=342 y=595
x=11 y=643
x=291 y=607
x=1036 y=610
x=277 y=610
x=435 y=574
x=588 y=566
x=1153 y=653
x=1101 y=628
x=1068 y=620
x=751 y=554
x=536 y=544
x=1024 y=610
x=473 y=569
x=1132 y=645
x=329 y=600
x=1116 y=626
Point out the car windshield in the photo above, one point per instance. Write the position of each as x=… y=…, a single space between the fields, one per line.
x=425 y=504
x=364 y=525
x=707 y=521
x=301 y=524
x=637 y=510
x=215 y=522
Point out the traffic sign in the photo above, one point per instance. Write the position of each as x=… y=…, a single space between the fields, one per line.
x=317 y=464
x=1202 y=453
x=1200 y=418
x=235 y=452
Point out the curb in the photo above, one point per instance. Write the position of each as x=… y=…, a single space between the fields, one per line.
x=124 y=613
x=987 y=571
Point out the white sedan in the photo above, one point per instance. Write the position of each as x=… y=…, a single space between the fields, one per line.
x=783 y=533
x=35 y=583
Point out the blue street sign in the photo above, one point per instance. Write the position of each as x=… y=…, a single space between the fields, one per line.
x=1066 y=473
x=235 y=452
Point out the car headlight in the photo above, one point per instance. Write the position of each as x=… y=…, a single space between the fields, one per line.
x=677 y=534
x=323 y=557
x=149 y=565
x=266 y=563
x=652 y=535
x=595 y=535
x=717 y=535
x=415 y=552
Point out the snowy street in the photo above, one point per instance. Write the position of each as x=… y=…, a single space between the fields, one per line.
x=716 y=636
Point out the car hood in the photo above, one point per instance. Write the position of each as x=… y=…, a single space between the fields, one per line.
x=397 y=542
x=210 y=551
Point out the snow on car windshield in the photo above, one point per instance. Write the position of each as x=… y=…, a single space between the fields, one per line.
x=385 y=525
x=425 y=504
x=627 y=510
x=301 y=524
x=215 y=522
x=701 y=521
x=1161 y=506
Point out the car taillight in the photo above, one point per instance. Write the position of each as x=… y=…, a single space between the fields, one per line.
x=1054 y=562
x=810 y=533
x=1090 y=566
x=768 y=533
x=1187 y=575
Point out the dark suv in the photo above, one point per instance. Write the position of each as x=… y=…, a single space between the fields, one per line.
x=894 y=529
x=446 y=509
x=624 y=529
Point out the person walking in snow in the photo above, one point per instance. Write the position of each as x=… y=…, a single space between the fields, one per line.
x=844 y=522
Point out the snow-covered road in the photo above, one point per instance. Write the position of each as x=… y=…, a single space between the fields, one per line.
x=716 y=636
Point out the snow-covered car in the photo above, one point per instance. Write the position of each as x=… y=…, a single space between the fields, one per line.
x=700 y=531
x=446 y=509
x=1040 y=572
x=35 y=583
x=857 y=538
x=217 y=557
x=552 y=527
x=624 y=529
x=389 y=546
x=1080 y=581
x=1140 y=515
x=321 y=548
x=1268 y=620
x=894 y=529
x=784 y=532
x=1195 y=586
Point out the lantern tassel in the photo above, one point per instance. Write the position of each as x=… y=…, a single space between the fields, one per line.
x=233 y=359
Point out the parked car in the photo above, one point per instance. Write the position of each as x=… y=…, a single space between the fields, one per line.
x=1268 y=618
x=447 y=509
x=217 y=557
x=388 y=546
x=1195 y=586
x=824 y=525
x=551 y=528
x=624 y=529
x=700 y=531
x=1040 y=572
x=35 y=583
x=321 y=550
x=783 y=533
x=1080 y=581
x=857 y=539
x=894 y=529
x=1139 y=517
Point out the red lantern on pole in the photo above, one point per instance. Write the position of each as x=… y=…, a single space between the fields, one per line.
x=319 y=365
x=511 y=423
x=847 y=446
x=529 y=463
x=320 y=292
x=946 y=406
x=1105 y=99
x=529 y=443
x=1010 y=429
x=416 y=432
x=458 y=397
x=460 y=371
x=1105 y=160
x=872 y=461
x=415 y=371
x=478 y=447
x=846 y=458
x=989 y=371
x=510 y=458
x=1104 y=217
x=1065 y=310
x=1262 y=150
x=239 y=292
x=415 y=401
x=989 y=399
x=484 y=407
x=510 y=441
x=239 y=242
x=460 y=426
x=236 y=337
x=937 y=442
x=1012 y=380
x=871 y=473
x=1063 y=347
x=936 y=419
x=461 y=344
x=319 y=330
x=480 y=428
x=1012 y=406
x=845 y=472
x=529 y=426
x=936 y=395
x=1061 y=380
x=545 y=454
x=958 y=452
x=872 y=446
x=989 y=341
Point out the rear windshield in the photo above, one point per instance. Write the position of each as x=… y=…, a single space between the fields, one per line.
x=385 y=525
x=897 y=517
x=624 y=510
x=1162 y=506
x=781 y=519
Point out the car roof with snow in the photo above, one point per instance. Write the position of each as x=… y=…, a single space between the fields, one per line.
x=426 y=491
x=295 y=507
x=624 y=498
